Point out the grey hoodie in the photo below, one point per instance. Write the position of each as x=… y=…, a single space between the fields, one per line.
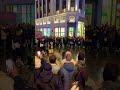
x=67 y=72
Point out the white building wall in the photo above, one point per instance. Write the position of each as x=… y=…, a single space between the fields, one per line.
x=76 y=14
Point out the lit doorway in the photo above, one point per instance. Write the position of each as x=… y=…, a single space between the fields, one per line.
x=71 y=32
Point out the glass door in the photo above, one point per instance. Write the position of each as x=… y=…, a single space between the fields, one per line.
x=71 y=32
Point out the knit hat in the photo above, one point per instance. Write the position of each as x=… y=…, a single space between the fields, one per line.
x=47 y=67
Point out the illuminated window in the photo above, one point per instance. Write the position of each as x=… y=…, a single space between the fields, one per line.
x=64 y=10
x=62 y=19
x=81 y=29
x=79 y=10
x=72 y=5
x=37 y=23
x=40 y=22
x=60 y=32
x=56 y=20
x=48 y=21
x=72 y=9
x=46 y=31
x=57 y=12
x=44 y=21
x=71 y=31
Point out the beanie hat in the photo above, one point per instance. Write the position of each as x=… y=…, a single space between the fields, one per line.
x=47 y=67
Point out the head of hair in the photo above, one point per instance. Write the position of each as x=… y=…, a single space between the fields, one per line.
x=110 y=72
x=68 y=55
x=52 y=58
x=81 y=56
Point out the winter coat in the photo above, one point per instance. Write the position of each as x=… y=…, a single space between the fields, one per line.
x=48 y=81
x=6 y=83
x=80 y=64
x=67 y=74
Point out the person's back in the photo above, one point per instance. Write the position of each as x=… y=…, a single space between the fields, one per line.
x=47 y=80
x=67 y=73
x=6 y=83
x=55 y=67
x=81 y=61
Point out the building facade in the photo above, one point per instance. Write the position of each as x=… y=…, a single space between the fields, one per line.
x=60 y=18
x=24 y=10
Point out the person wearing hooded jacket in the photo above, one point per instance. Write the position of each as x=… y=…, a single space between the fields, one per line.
x=47 y=80
x=67 y=73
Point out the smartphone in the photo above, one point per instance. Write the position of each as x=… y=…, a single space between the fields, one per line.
x=38 y=53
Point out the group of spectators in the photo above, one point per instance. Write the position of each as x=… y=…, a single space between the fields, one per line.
x=16 y=36
x=51 y=42
x=69 y=74
x=102 y=39
x=55 y=74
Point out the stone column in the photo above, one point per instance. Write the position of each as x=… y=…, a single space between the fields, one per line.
x=42 y=8
x=38 y=9
x=46 y=7
x=60 y=7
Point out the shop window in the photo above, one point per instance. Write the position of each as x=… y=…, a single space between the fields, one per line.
x=72 y=9
x=71 y=31
x=60 y=32
x=81 y=29
x=46 y=31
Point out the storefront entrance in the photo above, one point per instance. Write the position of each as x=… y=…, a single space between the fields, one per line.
x=71 y=32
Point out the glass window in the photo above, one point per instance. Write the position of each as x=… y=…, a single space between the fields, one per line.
x=62 y=19
x=48 y=21
x=72 y=9
x=56 y=20
x=44 y=21
x=81 y=29
x=71 y=31
x=46 y=32
x=60 y=32
x=63 y=30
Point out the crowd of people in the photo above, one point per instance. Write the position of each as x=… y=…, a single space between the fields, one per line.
x=16 y=36
x=70 y=74
x=46 y=43
x=102 y=39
